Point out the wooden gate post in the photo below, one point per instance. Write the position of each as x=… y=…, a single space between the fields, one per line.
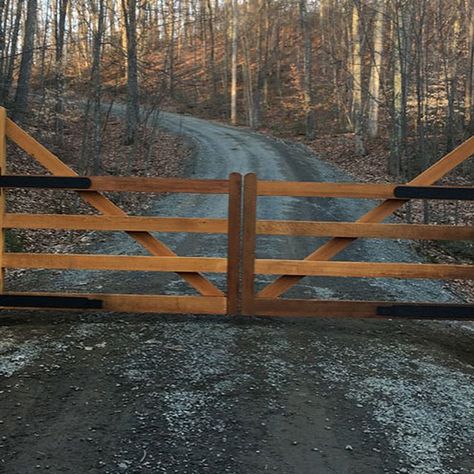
x=3 y=165
x=248 y=244
x=234 y=222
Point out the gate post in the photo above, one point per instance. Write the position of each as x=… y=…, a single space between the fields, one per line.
x=248 y=244
x=3 y=165
x=234 y=218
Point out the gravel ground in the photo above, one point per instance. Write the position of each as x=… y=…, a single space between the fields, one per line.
x=188 y=394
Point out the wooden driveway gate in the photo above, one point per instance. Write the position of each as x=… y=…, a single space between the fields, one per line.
x=211 y=300
x=240 y=264
x=342 y=234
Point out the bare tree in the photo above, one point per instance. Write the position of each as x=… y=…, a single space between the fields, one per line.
x=9 y=55
x=233 y=87
x=129 y=8
x=98 y=33
x=375 y=69
x=357 y=113
x=469 y=88
x=59 y=30
x=23 y=85
x=307 y=70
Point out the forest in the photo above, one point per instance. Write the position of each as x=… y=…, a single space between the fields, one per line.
x=393 y=70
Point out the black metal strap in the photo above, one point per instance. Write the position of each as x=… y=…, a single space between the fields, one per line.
x=31 y=301
x=434 y=192
x=48 y=182
x=428 y=311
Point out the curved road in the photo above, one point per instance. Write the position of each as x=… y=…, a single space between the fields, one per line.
x=192 y=394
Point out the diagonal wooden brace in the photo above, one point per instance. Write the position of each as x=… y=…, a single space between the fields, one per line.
x=53 y=164
x=336 y=245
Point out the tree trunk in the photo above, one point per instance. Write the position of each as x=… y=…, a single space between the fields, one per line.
x=96 y=85
x=10 y=63
x=376 y=67
x=132 y=112
x=397 y=155
x=212 y=59
x=469 y=89
x=357 y=83
x=310 y=114
x=22 y=90
x=170 y=32
x=59 y=27
x=233 y=87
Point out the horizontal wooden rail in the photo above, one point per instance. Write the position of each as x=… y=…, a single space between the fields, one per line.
x=159 y=185
x=114 y=223
x=115 y=262
x=358 y=309
x=351 y=229
x=363 y=269
x=219 y=226
x=325 y=189
x=148 y=303
x=119 y=184
x=361 y=190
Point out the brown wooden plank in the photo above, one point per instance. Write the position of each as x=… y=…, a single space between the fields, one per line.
x=149 y=303
x=330 y=308
x=121 y=184
x=363 y=269
x=325 y=189
x=3 y=170
x=377 y=214
x=53 y=164
x=343 y=190
x=115 y=262
x=158 y=185
x=248 y=243
x=367 y=230
x=320 y=308
x=233 y=243
x=114 y=223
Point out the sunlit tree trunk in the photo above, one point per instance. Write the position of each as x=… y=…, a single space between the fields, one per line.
x=376 y=67
x=233 y=87
x=170 y=33
x=310 y=115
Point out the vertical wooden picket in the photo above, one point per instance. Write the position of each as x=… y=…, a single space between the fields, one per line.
x=233 y=243
x=248 y=244
x=3 y=165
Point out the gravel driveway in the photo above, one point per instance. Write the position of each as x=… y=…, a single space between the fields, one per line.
x=188 y=394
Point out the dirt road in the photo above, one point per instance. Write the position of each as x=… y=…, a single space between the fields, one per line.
x=187 y=394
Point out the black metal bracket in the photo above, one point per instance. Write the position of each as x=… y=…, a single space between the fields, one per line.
x=428 y=311
x=33 y=301
x=45 y=182
x=434 y=192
